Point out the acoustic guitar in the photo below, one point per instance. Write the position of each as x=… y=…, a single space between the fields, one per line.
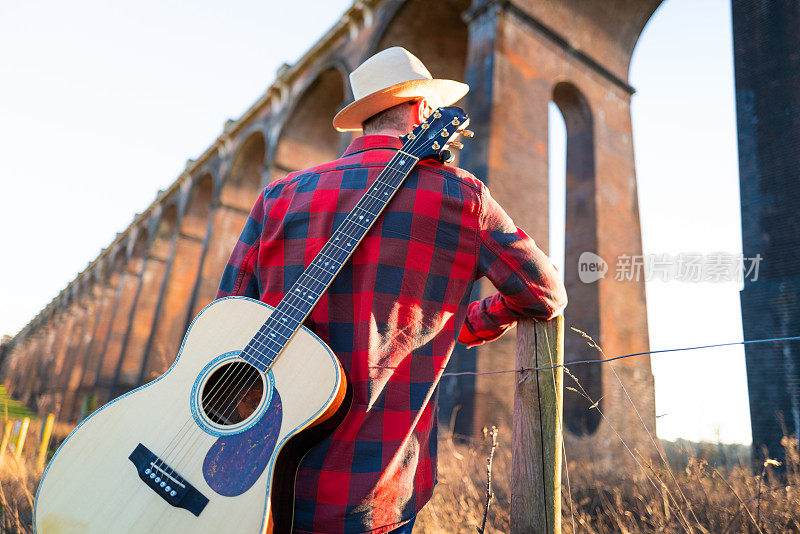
x=213 y=444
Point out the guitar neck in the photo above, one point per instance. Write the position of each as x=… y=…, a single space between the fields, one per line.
x=304 y=294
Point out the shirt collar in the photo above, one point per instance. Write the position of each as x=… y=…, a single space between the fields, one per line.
x=372 y=142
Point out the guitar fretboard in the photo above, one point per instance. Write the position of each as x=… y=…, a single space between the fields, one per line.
x=296 y=305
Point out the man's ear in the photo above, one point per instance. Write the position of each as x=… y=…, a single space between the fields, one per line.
x=422 y=109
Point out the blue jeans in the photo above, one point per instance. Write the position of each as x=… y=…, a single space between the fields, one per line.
x=405 y=529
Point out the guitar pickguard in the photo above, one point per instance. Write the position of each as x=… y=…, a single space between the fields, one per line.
x=235 y=462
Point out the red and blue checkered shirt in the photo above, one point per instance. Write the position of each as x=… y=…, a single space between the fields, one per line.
x=392 y=316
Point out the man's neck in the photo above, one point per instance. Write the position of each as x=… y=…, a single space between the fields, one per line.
x=394 y=132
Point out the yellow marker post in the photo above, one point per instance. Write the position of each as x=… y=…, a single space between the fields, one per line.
x=23 y=430
x=47 y=430
x=6 y=436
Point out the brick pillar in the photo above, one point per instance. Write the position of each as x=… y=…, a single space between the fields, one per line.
x=67 y=319
x=96 y=381
x=15 y=365
x=508 y=112
x=129 y=288
x=45 y=364
x=27 y=370
x=238 y=191
x=168 y=331
x=517 y=64
x=767 y=62
x=73 y=373
x=227 y=224
x=64 y=376
x=153 y=277
x=104 y=301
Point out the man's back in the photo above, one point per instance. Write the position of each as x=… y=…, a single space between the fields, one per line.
x=392 y=316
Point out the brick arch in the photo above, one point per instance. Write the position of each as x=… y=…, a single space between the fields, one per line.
x=115 y=275
x=100 y=270
x=197 y=209
x=80 y=286
x=242 y=182
x=81 y=378
x=307 y=137
x=140 y=241
x=228 y=214
x=165 y=230
x=432 y=31
x=66 y=297
x=129 y=286
x=182 y=275
x=147 y=297
x=580 y=237
x=437 y=35
x=88 y=297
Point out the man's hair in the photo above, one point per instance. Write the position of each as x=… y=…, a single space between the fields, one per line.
x=395 y=117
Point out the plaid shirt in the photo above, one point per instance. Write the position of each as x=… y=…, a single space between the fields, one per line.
x=391 y=316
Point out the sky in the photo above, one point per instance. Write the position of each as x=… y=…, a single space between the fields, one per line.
x=101 y=104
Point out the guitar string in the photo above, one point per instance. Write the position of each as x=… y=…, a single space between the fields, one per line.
x=315 y=268
x=167 y=461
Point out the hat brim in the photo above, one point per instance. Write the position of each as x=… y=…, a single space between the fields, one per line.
x=352 y=116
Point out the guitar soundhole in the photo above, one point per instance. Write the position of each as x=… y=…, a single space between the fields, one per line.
x=232 y=393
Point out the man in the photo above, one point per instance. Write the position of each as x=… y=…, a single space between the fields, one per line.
x=393 y=313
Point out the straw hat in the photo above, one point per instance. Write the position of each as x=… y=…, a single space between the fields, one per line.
x=388 y=78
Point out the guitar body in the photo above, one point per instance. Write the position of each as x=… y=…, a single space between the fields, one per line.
x=233 y=474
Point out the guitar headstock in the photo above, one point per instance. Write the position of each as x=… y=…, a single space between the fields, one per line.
x=434 y=137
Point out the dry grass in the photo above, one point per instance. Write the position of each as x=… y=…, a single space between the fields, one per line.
x=722 y=495
x=18 y=481
x=717 y=495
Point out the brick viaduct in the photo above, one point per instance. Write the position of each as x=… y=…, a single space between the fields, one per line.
x=121 y=321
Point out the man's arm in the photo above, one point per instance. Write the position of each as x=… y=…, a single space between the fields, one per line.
x=240 y=277
x=527 y=282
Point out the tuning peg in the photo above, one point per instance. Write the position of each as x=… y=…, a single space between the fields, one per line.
x=456 y=144
x=437 y=115
x=445 y=156
x=467 y=133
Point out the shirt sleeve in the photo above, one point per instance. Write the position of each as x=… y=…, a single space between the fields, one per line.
x=240 y=277
x=527 y=281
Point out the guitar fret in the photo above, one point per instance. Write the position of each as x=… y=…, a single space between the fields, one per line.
x=264 y=341
x=273 y=333
x=366 y=211
x=267 y=339
x=278 y=324
x=260 y=353
x=289 y=304
x=339 y=247
x=322 y=253
x=318 y=281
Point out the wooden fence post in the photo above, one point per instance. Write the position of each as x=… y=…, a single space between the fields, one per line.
x=538 y=414
x=23 y=431
x=47 y=430
x=6 y=436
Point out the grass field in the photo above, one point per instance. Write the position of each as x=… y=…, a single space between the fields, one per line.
x=705 y=489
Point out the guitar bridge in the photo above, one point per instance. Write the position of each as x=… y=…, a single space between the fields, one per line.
x=168 y=484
